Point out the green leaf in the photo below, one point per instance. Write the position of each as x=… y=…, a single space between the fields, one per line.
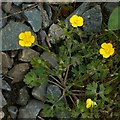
x=92 y=89
x=114 y=19
x=36 y=77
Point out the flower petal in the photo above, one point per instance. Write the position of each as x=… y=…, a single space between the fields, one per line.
x=28 y=34
x=74 y=25
x=109 y=45
x=28 y=44
x=73 y=18
x=21 y=35
x=106 y=55
x=102 y=51
x=112 y=51
x=104 y=45
x=32 y=39
x=21 y=43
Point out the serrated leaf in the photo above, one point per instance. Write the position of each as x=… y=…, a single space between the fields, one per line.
x=114 y=19
x=92 y=89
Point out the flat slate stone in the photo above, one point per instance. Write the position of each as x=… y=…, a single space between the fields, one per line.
x=93 y=19
x=4 y=20
x=34 y=18
x=10 y=35
x=13 y=110
x=23 y=97
x=39 y=92
x=27 y=54
x=31 y=110
x=92 y=16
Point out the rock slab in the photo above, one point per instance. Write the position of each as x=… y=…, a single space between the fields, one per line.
x=31 y=110
x=10 y=35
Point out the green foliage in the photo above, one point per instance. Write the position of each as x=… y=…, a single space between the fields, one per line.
x=37 y=75
x=81 y=73
x=114 y=19
x=52 y=107
x=95 y=89
x=97 y=70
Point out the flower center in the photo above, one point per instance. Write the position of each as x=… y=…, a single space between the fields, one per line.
x=107 y=50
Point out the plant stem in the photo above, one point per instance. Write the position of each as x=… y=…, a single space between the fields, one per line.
x=66 y=75
x=56 y=80
x=56 y=84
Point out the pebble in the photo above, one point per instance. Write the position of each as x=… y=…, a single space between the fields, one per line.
x=34 y=18
x=93 y=19
x=6 y=60
x=27 y=54
x=13 y=110
x=23 y=97
x=39 y=92
x=3 y=22
x=92 y=16
x=31 y=110
x=5 y=86
x=2 y=100
x=45 y=19
x=56 y=33
x=18 y=72
x=49 y=58
x=7 y=6
x=54 y=91
x=10 y=35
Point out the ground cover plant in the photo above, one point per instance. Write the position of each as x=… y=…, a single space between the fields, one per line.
x=60 y=60
x=87 y=73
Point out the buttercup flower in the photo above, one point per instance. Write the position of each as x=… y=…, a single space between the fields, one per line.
x=90 y=103
x=106 y=50
x=26 y=39
x=76 y=21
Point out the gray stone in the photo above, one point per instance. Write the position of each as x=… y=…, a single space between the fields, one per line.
x=56 y=33
x=17 y=3
x=16 y=9
x=54 y=91
x=4 y=70
x=7 y=6
x=5 y=86
x=4 y=20
x=13 y=110
x=27 y=54
x=2 y=114
x=80 y=10
x=48 y=9
x=49 y=58
x=18 y=72
x=13 y=53
x=31 y=110
x=23 y=97
x=92 y=16
x=10 y=35
x=39 y=92
x=45 y=19
x=2 y=99
x=6 y=60
x=43 y=36
x=34 y=18
x=93 y=19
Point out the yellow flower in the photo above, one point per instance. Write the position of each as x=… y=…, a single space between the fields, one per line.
x=90 y=103
x=26 y=39
x=76 y=21
x=106 y=50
